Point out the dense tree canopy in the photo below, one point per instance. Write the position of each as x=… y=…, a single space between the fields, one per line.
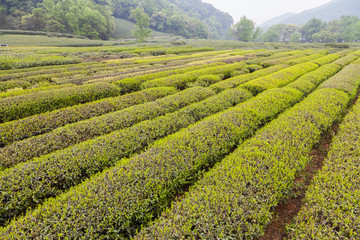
x=93 y=18
x=345 y=29
x=244 y=30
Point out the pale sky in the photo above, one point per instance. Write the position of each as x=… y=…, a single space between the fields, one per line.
x=263 y=10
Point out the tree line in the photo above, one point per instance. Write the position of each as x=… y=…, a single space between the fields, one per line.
x=345 y=29
x=94 y=18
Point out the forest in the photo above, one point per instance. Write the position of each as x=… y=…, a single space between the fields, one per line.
x=345 y=29
x=94 y=19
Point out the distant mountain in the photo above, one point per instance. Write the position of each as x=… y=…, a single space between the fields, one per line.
x=276 y=20
x=327 y=12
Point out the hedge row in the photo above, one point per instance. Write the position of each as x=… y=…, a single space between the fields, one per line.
x=309 y=81
x=326 y=59
x=306 y=58
x=238 y=80
x=18 y=92
x=23 y=106
x=280 y=78
x=346 y=60
x=11 y=62
x=115 y=203
x=236 y=198
x=72 y=134
x=182 y=80
x=133 y=84
x=45 y=122
x=50 y=175
x=330 y=209
x=346 y=80
x=274 y=56
x=284 y=60
x=15 y=83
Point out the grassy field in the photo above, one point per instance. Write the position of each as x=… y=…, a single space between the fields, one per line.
x=151 y=141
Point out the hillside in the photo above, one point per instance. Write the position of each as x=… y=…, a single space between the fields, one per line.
x=95 y=19
x=327 y=12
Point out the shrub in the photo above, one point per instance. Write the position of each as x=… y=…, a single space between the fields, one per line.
x=346 y=60
x=92 y=156
x=207 y=80
x=279 y=79
x=330 y=207
x=235 y=198
x=23 y=106
x=337 y=45
x=182 y=81
x=45 y=122
x=133 y=84
x=238 y=80
x=118 y=201
x=326 y=59
x=309 y=81
x=346 y=80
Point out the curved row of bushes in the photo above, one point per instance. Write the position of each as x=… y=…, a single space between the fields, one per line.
x=50 y=175
x=330 y=209
x=181 y=81
x=23 y=106
x=346 y=80
x=18 y=92
x=284 y=60
x=295 y=61
x=15 y=83
x=346 y=60
x=275 y=55
x=241 y=79
x=77 y=132
x=115 y=203
x=255 y=178
x=133 y=84
x=326 y=59
x=235 y=199
x=45 y=122
x=280 y=78
x=309 y=81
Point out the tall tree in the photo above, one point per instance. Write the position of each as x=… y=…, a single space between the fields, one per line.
x=142 y=31
x=313 y=26
x=244 y=30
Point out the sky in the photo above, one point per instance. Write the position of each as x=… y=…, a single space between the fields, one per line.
x=262 y=10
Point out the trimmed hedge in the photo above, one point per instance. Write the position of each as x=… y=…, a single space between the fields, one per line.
x=236 y=198
x=181 y=81
x=346 y=60
x=133 y=84
x=279 y=79
x=72 y=134
x=4 y=86
x=347 y=80
x=207 y=80
x=296 y=60
x=309 y=81
x=115 y=203
x=276 y=55
x=19 y=92
x=13 y=108
x=45 y=122
x=51 y=174
x=284 y=60
x=330 y=209
x=238 y=80
x=326 y=59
